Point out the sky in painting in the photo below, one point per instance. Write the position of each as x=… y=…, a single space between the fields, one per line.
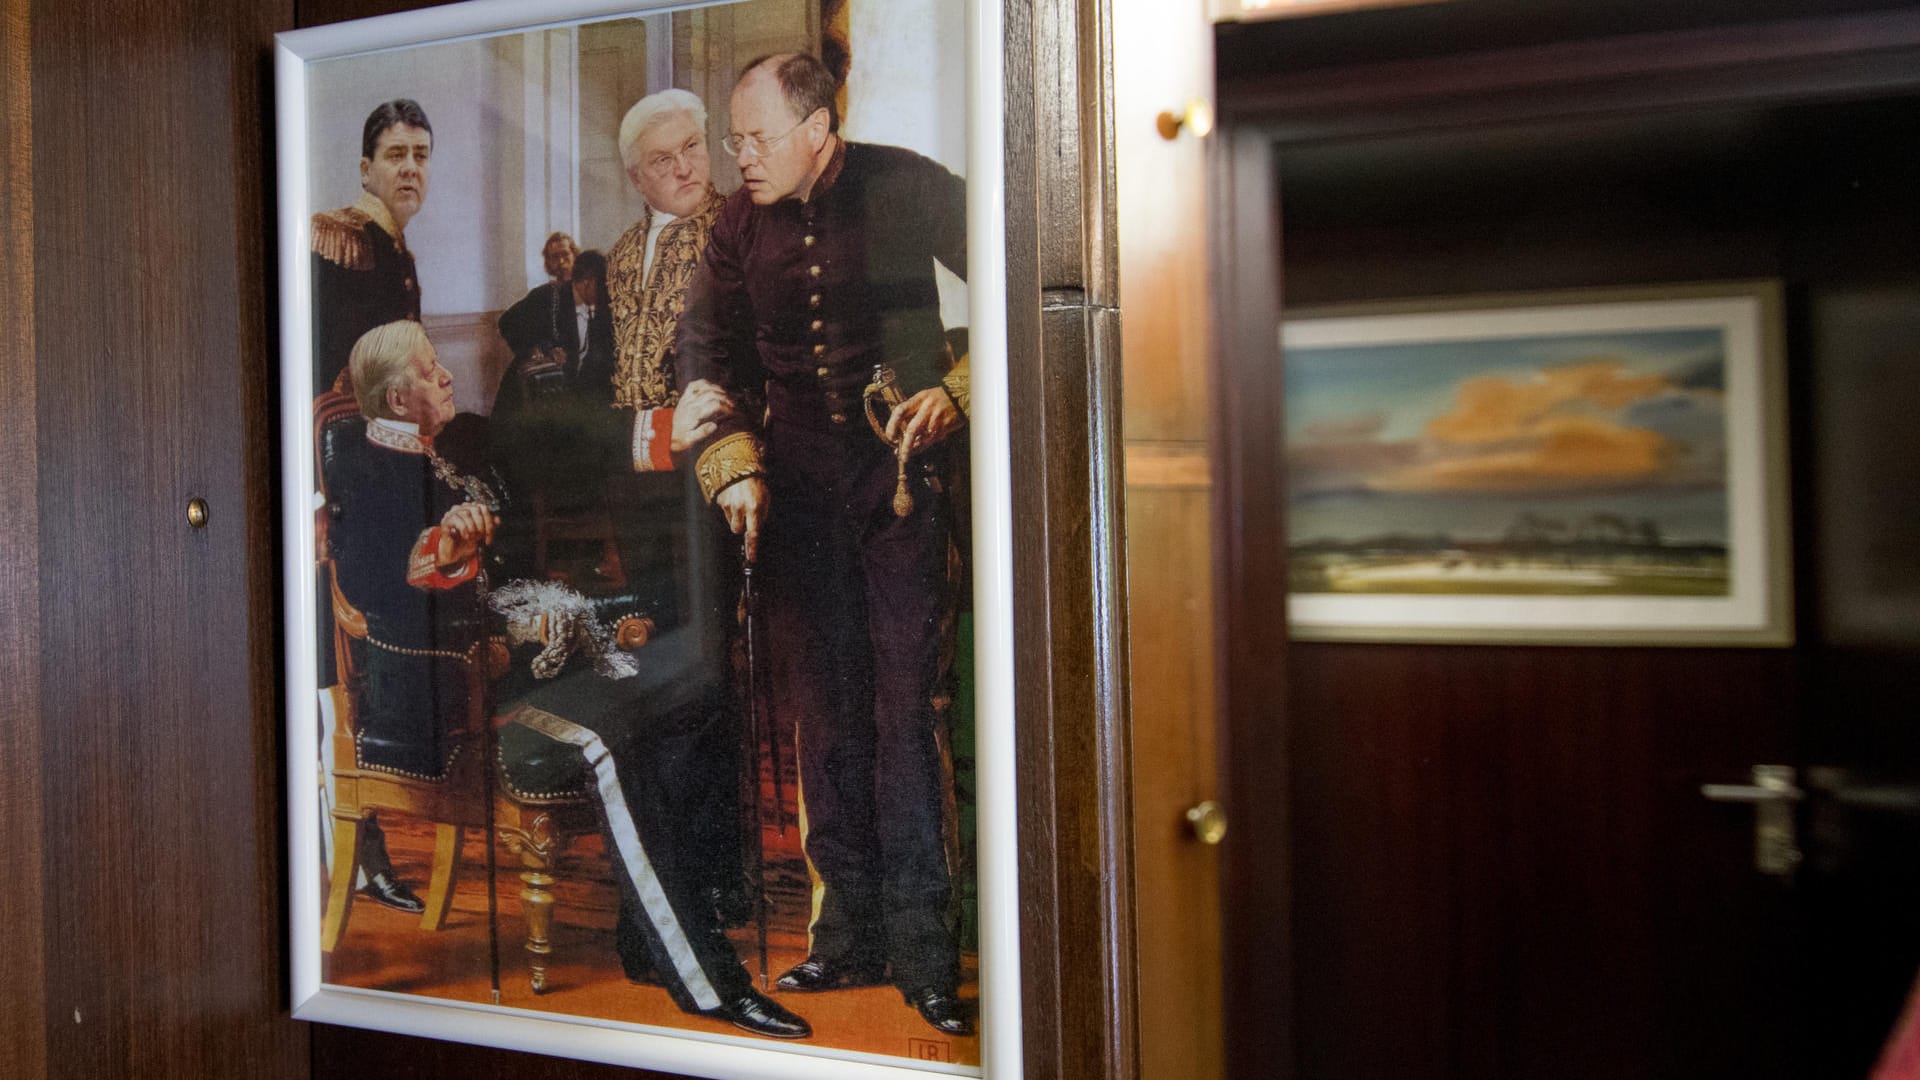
x=1463 y=436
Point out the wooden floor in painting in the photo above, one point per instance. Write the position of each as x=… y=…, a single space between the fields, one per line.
x=386 y=950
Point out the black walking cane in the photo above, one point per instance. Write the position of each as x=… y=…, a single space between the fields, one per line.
x=754 y=728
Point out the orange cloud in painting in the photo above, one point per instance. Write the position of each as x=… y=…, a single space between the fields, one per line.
x=1555 y=452
x=1556 y=430
x=1494 y=409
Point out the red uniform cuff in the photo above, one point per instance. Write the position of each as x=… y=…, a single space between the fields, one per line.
x=424 y=570
x=653 y=440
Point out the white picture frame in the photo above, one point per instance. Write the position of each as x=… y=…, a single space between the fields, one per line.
x=601 y=1039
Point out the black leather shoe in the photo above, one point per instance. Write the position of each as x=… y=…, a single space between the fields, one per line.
x=814 y=974
x=947 y=1013
x=391 y=892
x=762 y=1015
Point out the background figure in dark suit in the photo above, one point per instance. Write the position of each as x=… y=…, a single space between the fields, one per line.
x=556 y=436
x=363 y=274
x=537 y=319
x=410 y=532
x=561 y=333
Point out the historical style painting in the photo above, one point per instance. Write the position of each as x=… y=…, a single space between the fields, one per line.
x=1563 y=468
x=630 y=443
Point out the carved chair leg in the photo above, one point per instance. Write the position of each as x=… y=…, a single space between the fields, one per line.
x=536 y=897
x=346 y=866
x=446 y=867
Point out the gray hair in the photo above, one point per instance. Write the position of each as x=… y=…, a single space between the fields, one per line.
x=381 y=360
x=650 y=111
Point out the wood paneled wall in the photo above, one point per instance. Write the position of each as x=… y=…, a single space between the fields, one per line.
x=22 y=962
x=1076 y=887
x=159 y=754
x=1166 y=425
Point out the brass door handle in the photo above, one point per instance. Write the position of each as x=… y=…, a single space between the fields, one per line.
x=1208 y=821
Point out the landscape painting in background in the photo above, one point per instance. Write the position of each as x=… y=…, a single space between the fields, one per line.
x=1549 y=468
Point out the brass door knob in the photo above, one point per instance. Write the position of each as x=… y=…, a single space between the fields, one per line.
x=1208 y=821
x=1195 y=118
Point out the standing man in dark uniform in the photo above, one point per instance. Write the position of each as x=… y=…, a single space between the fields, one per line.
x=362 y=271
x=410 y=531
x=363 y=277
x=819 y=275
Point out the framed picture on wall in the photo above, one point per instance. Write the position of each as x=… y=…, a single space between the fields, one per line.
x=645 y=494
x=1596 y=467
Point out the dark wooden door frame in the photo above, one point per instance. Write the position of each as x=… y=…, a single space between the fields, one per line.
x=1785 y=61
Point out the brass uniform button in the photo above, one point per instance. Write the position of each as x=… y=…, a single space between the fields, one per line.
x=839 y=418
x=808 y=241
x=820 y=371
x=819 y=350
x=814 y=300
x=814 y=270
x=817 y=324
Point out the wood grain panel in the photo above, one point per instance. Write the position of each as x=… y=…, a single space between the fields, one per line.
x=1491 y=846
x=1075 y=854
x=1168 y=465
x=22 y=962
x=1854 y=54
x=1172 y=663
x=1160 y=189
x=1162 y=60
x=1250 y=506
x=159 y=751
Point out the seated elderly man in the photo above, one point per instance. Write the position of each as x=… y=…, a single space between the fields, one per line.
x=410 y=531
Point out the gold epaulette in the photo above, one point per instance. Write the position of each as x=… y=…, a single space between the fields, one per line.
x=340 y=237
x=732 y=459
x=959 y=383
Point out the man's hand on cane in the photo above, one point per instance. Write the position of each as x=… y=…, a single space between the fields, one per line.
x=745 y=505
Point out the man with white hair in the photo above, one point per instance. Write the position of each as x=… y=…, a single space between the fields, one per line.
x=663 y=143
x=410 y=533
x=680 y=566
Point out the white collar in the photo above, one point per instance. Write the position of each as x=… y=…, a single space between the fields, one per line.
x=398 y=435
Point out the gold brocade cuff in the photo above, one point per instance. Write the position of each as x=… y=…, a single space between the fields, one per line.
x=732 y=459
x=959 y=384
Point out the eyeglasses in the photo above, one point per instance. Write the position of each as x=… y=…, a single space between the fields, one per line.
x=660 y=165
x=736 y=144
